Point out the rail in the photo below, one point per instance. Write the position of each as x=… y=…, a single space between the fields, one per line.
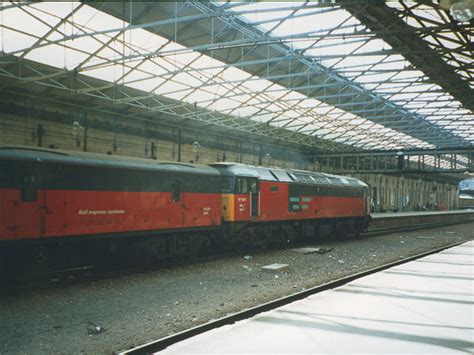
x=163 y=343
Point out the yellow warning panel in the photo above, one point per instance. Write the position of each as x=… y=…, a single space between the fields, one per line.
x=227 y=207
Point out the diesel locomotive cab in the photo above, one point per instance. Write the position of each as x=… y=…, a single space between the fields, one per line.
x=240 y=188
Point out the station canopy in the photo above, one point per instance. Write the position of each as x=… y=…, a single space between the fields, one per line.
x=344 y=76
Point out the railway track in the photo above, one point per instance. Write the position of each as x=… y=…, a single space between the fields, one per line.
x=91 y=272
x=165 y=342
x=373 y=233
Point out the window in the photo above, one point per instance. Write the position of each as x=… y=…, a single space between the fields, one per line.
x=226 y=185
x=334 y=180
x=282 y=175
x=246 y=185
x=242 y=186
x=175 y=191
x=28 y=190
x=304 y=178
x=265 y=174
x=253 y=186
x=274 y=188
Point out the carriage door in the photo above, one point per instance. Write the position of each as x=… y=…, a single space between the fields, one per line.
x=254 y=192
x=32 y=199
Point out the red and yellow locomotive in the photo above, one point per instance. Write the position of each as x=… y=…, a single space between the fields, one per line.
x=272 y=200
x=51 y=195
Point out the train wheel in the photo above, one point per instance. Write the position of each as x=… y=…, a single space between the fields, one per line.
x=280 y=235
x=290 y=234
x=249 y=238
x=40 y=255
x=267 y=234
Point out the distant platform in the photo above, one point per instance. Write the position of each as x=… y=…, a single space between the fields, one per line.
x=424 y=306
x=421 y=213
x=381 y=221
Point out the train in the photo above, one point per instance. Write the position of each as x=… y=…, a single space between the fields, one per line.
x=50 y=199
x=466 y=194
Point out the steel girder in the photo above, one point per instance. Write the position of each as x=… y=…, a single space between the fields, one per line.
x=325 y=85
x=31 y=80
x=427 y=161
x=406 y=40
x=220 y=32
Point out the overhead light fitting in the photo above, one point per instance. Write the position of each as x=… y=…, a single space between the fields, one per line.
x=463 y=11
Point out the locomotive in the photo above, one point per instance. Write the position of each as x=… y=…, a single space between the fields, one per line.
x=50 y=198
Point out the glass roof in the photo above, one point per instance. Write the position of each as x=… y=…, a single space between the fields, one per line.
x=78 y=37
x=348 y=47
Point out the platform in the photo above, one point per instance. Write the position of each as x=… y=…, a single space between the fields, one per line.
x=424 y=306
x=422 y=213
x=406 y=219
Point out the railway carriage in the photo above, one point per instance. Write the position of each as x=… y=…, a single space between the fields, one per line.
x=51 y=194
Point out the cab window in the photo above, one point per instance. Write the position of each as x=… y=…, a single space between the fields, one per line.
x=226 y=185
x=246 y=185
x=253 y=186
x=242 y=186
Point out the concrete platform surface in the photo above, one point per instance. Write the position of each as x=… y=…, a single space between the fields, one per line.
x=425 y=306
x=422 y=213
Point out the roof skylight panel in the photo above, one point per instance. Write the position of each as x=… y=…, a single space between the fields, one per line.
x=170 y=86
x=449 y=44
x=245 y=111
x=260 y=85
x=291 y=26
x=396 y=63
x=20 y=30
x=94 y=19
x=149 y=68
x=148 y=85
x=15 y=41
x=317 y=106
x=419 y=87
x=201 y=98
x=180 y=96
x=224 y=104
x=371 y=77
x=208 y=95
x=385 y=86
x=411 y=21
x=414 y=105
x=351 y=60
x=453 y=36
x=83 y=44
x=57 y=56
x=429 y=15
x=147 y=40
x=50 y=13
x=302 y=24
x=325 y=49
